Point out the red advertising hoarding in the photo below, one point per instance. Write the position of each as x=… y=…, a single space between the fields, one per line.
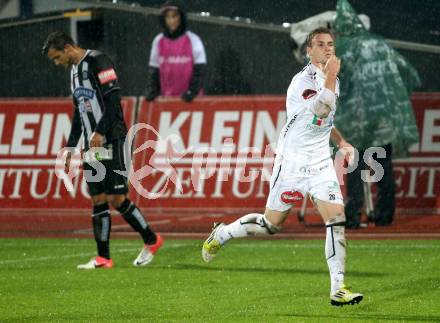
x=32 y=132
x=210 y=139
x=209 y=157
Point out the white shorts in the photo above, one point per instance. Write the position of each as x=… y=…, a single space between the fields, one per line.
x=289 y=186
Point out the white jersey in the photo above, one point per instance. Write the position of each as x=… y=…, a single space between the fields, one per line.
x=304 y=139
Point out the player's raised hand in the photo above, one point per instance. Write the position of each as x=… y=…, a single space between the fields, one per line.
x=96 y=140
x=332 y=66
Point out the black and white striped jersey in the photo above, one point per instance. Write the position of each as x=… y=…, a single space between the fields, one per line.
x=97 y=100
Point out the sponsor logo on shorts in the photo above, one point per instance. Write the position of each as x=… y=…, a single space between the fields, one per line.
x=107 y=76
x=291 y=197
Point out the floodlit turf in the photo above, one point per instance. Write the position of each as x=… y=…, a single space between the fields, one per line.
x=249 y=281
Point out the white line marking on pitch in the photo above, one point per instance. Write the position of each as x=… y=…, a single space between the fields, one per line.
x=90 y=254
x=240 y=245
x=24 y=259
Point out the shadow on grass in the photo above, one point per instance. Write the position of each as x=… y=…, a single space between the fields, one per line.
x=363 y=317
x=266 y=270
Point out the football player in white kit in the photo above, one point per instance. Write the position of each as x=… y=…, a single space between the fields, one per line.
x=303 y=164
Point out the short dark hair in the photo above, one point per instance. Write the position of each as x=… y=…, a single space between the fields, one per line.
x=57 y=40
x=320 y=30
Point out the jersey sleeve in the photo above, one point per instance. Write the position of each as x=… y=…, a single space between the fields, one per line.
x=154 y=53
x=105 y=74
x=303 y=95
x=108 y=81
x=198 y=50
x=112 y=104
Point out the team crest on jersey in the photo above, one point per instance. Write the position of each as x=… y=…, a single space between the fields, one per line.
x=85 y=106
x=83 y=92
x=308 y=93
x=290 y=197
x=317 y=121
x=319 y=124
x=106 y=76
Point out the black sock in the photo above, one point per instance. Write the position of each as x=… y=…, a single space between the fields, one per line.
x=102 y=224
x=134 y=217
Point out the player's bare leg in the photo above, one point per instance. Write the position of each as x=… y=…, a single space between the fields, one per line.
x=101 y=222
x=335 y=252
x=253 y=224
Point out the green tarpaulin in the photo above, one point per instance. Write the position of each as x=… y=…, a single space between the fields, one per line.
x=374 y=108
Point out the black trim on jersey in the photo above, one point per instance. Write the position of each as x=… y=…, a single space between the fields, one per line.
x=276 y=177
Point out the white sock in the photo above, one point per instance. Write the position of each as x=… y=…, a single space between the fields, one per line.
x=252 y=224
x=335 y=254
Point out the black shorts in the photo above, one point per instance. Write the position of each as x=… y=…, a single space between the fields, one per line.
x=112 y=182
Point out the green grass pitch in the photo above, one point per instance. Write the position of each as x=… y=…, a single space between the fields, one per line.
x=249 y=281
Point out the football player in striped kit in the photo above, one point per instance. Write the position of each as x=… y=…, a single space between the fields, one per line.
x=98 y=117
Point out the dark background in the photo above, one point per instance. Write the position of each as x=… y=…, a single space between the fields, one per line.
x=242 y=59
x=409 y=20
